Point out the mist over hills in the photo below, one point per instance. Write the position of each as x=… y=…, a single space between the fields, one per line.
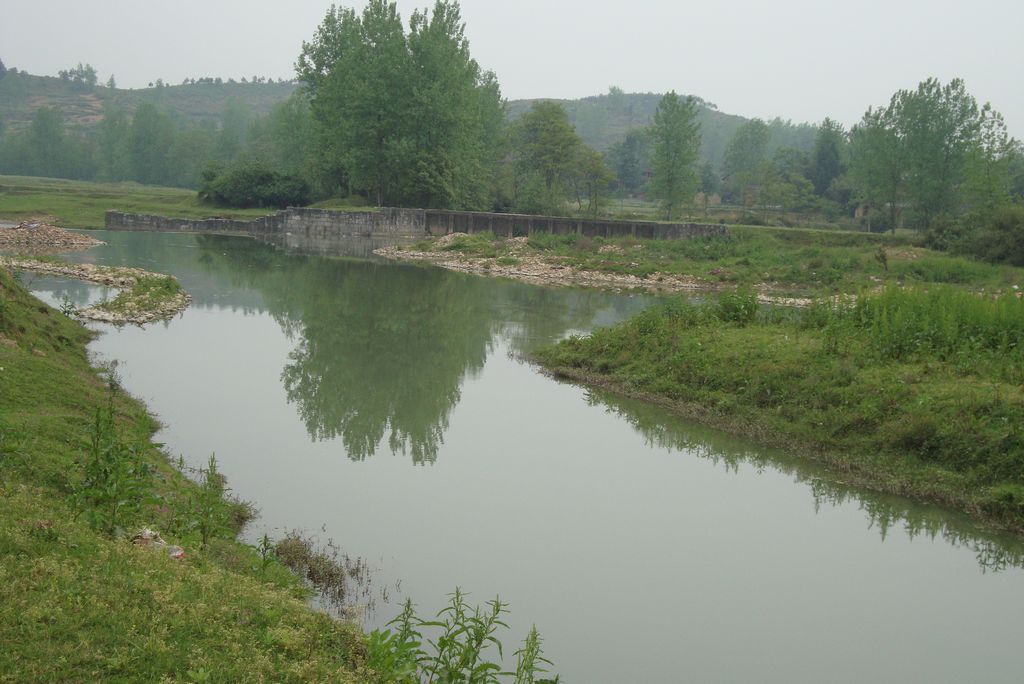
x=600 y=120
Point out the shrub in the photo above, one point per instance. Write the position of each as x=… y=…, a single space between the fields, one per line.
x=251 y=184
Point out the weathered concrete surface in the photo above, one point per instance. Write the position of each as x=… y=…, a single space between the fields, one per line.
x=323 y=231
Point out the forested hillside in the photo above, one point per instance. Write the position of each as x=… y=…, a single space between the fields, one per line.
x=601 y=120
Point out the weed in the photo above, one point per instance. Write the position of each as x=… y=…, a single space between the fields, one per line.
x=208 y=502
x=117 y=478
x=68 y=308
x=460 y=652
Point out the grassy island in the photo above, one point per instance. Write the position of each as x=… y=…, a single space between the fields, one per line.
x=908 y=391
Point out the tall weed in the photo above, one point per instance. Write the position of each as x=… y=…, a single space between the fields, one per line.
x=461 y=652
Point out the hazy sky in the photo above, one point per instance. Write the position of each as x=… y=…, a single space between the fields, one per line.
x=798 y=59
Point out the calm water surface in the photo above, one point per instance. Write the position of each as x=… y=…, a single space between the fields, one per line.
x=386 y=407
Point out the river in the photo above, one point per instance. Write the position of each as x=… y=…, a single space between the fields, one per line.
x=388 y=407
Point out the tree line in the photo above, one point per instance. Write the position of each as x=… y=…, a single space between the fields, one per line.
x=400 y=114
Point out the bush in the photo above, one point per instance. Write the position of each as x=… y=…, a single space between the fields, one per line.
x=737 y=307
x=1002 y=239
x=251 y=184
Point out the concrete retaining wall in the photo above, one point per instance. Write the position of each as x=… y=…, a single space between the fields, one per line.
x=323 y=231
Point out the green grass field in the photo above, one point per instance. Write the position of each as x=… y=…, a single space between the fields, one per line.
x=78 y=204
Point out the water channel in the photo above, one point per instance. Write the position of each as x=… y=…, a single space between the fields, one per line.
x=388 y=407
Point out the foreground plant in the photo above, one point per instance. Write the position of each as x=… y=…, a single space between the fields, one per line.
x=461 y=652
x=116 y=479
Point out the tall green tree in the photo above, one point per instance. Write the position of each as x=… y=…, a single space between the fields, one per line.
x=878 y=164
x=827 y=159
x=938 y=126
x=630 y=158
x=454 y=105
x=591 y=179
x=404 y=118
x=545 y=151
x=746 y=161
x=48 y=153
x=675 y=136
x=148 y=140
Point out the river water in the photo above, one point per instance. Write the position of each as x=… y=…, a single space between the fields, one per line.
x=387 y=407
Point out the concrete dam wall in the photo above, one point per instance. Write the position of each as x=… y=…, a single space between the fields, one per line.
x=325 y=231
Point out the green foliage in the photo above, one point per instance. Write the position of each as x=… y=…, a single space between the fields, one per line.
x=940 y=323
x=77 y=605
x=545 y=148
x=458 y=655
x=737 y=307
x=116 y=476
x=675 y=136
x=248 y=184
x=405 y=119
x=208 y=503
x=934 y=152
x=629 y=158
x=1000 y=239
x=918 y=391
x=745 y=164
x=828 y=157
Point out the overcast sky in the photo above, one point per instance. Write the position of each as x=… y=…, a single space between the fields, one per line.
x=797 y=59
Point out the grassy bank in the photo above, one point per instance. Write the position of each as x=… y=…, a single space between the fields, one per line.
x=78 y=204
x=789 y=260
x=906 y=391
x=78 y=602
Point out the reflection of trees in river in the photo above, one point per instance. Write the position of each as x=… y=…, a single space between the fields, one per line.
x=383 y=349
x=885 y=513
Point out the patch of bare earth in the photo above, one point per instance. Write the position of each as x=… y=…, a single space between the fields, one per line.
x=40 y=235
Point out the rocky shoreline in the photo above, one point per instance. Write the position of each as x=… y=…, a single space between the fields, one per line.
x=40 y=235
x=538 y=269
x=130 y=306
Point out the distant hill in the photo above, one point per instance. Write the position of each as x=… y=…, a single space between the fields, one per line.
x=22 y=94
x=604 y=120
x=600 y=120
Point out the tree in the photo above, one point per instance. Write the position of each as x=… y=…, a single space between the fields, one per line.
x=988 y=168
x=827 y=158
x=933 y=151
x=675 y=139
x=937 y=126
x=405 y=119
x=454 y=104
x=629 y=158
x=746 y=164
x=112 y=144
x=546 y=146
x=3 y=69
x=47 y=144
x=111 y=83
x=878 y=164
x=591 y=179
x=148 y=140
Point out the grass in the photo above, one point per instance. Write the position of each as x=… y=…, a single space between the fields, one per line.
x=149 y=293
x=79 y=204
x=906 y=391
x=790 y=260
x=78 y=602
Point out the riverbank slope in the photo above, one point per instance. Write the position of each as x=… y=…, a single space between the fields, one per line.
x=904 y=391
x=78 y=600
